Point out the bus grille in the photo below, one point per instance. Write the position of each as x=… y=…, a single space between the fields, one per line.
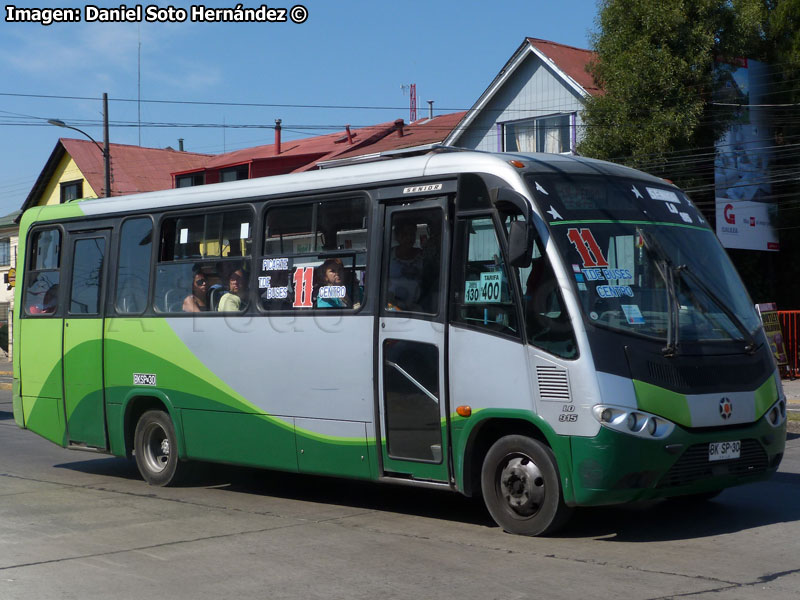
x=694 y=465
x=694 y=376
x=553 y=384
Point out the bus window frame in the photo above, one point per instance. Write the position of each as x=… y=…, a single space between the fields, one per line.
x=447 y=237
x=104 y=230
x=456 y=276
x=113 y=274
x=37 y=228
x=236 y=204
x=312 y=198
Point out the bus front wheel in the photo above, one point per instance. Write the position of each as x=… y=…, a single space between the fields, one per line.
x=521 y=486
x=156 y=448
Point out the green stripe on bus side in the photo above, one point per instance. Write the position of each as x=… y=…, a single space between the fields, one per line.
x=662 y=402
x=612 y=221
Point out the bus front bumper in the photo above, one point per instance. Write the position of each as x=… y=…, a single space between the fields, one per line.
x=614 y=467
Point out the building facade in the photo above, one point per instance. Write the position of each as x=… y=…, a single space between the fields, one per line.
x=534 y=104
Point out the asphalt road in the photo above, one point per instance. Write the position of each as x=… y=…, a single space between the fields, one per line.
x=79 y=525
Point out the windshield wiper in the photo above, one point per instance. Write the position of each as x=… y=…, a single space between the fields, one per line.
x=667 y=271
x=751 y=344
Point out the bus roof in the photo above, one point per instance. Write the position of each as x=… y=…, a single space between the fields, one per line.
x=439 y=162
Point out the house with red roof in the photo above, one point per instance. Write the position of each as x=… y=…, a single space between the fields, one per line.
x=533 y=104
x=296 y=156
x=75 y=169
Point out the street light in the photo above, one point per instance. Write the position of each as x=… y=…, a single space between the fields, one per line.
x=103 y=150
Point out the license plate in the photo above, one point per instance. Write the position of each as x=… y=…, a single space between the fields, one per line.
x=724 y=450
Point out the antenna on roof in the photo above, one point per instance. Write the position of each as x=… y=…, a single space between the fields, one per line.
x=412 y=100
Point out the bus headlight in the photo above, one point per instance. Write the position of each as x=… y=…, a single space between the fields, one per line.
x=776 y=415
x=632 y=422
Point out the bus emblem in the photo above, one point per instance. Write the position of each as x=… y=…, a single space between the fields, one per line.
x=725 y=409
x=417 y=189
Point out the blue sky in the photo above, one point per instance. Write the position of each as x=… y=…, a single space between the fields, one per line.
x=349 y=53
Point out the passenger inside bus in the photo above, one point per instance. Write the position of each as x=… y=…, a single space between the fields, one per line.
x=405 y=268
x=197 y=301
x=330 y=285
x=236 y=298
x=49 y=303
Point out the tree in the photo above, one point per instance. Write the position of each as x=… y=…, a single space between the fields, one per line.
x=656 y=63
x=656 y=66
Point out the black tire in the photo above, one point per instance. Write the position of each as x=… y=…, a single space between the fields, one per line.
x=156 y=449
x=522 y=488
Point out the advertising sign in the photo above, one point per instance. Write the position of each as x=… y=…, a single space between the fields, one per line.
x=743 y=155
x=772 y=327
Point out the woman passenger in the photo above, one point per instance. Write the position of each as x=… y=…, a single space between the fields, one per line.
x=197 y=301
x=330 y=281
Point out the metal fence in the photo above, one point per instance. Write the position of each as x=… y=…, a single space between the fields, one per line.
x=790 y=327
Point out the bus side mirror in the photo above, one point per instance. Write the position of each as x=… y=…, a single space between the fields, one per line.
x=520 y=244
x=520 y=235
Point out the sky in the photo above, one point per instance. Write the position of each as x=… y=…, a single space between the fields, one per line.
x=347 y=63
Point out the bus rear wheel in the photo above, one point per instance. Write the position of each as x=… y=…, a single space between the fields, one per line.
x=521 y=486
x=156 y=448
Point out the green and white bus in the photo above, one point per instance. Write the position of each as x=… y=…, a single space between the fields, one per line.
x=547 y=331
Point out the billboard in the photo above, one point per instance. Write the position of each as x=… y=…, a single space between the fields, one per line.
x=744 y=212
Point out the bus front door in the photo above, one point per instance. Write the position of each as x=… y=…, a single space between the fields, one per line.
x=83 y=341
x=412 y=399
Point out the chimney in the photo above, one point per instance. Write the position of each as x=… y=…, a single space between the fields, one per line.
x=349 y=135
x=399 y=124
x=430 y=108
x=180 y=144
x=277 y=136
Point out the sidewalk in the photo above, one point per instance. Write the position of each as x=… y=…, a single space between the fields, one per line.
x=792 y=390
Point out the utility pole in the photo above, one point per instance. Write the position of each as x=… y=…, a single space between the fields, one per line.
x=106 y=154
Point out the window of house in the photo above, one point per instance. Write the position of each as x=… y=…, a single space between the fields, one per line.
x=234 y=173
x=43 y=275
x=314 y=256
x=71 y=190
x=5 y=252
x=204 y=263
x=545 y=134
x=193 y=179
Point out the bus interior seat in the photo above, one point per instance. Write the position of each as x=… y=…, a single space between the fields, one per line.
x=131 y=298
x=214 y=295
x=173 y=300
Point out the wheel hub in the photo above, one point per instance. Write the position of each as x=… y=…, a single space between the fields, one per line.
x=522 y=485
x=156 y=448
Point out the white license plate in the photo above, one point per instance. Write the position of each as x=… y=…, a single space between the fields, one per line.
x=724 y=450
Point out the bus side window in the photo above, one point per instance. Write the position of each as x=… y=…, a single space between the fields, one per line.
x=414 y=269
x=314 y=256
x=483 y=294
x=547 y=321
x=133 y=270
x=204 y=263
x=43 y=276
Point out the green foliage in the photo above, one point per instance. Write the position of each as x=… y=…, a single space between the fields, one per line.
x=656 y=64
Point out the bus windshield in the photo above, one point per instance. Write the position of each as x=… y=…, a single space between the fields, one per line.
x=644 y=261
